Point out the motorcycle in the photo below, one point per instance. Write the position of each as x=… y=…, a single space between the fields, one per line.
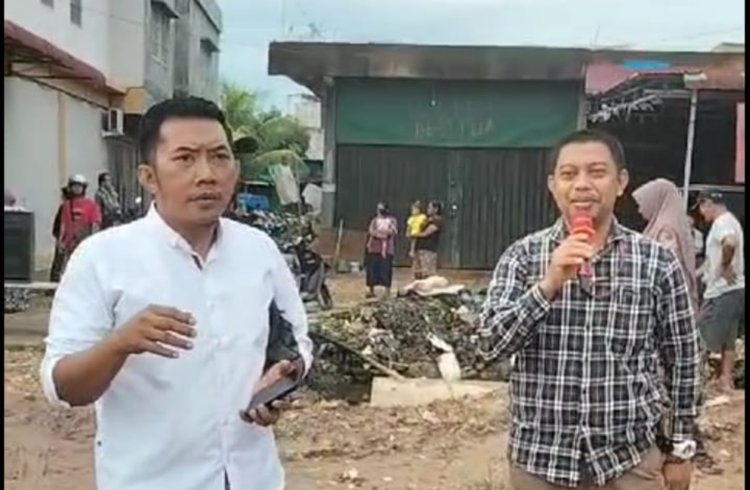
x=307 y=266
x=310 y=272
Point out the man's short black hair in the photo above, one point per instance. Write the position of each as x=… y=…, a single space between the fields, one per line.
x=178 y=107
x=590 y=136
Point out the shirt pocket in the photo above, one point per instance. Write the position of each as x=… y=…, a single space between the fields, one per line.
x=632 y=315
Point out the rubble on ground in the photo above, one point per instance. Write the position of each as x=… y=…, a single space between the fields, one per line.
x=283 y=227
x=405 y=334
x=17 y=300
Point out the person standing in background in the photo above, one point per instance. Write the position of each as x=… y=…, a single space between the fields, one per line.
x=427 y=241
x=414 y=226
x=723 y=314
x=80 y=218
x=379 y=250
x=660 y=204
x=57 y=261
x=108 y=200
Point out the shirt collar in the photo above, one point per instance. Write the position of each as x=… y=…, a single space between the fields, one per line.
x=176 y=240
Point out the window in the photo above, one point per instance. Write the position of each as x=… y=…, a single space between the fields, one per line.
x=49 y=3
x=160 y=34
x=76 y=11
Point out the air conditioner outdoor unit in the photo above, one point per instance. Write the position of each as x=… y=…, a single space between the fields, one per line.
x=113 y=122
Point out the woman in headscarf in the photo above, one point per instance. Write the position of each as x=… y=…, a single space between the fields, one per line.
x=660 y=204
x=380 y=248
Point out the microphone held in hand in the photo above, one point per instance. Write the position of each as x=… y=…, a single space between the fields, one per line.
x=583 y=224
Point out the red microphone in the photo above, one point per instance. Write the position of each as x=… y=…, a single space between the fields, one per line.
x=582 y=223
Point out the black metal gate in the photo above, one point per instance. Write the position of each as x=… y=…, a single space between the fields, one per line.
x=123 y=167
x=491 y=197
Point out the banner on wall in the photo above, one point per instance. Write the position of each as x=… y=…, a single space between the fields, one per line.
x=739 y=163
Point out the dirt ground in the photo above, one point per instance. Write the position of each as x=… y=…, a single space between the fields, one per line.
x=453 y=445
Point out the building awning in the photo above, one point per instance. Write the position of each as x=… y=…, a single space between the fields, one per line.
x=25 y=47
x=310 y=64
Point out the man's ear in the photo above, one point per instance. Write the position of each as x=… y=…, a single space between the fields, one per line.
x=624 y=179
x=147 y=178
x=551 y=184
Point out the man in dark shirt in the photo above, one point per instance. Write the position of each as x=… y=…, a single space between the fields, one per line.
x=587 y=402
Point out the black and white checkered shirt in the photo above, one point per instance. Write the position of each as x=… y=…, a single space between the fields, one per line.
x=586 y=397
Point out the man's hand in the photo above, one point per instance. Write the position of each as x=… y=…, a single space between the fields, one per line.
x=566 y=259
x=153 y=328
x=728 y=273
x=677 y=476
x=266 y=416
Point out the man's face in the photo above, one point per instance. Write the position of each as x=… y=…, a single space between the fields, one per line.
x=193 y=172
x=106 y=180
x=76 y=189
x=707 y=208
x=586 y=179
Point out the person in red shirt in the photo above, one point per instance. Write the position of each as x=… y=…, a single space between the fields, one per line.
x=79 y=215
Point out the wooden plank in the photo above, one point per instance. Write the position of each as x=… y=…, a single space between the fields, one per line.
x=34 y=286
x=389 y=392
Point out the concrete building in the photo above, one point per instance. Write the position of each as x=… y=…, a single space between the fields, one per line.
x=78 y=75
x=306 y=109
x=196 y=65
x=472 y=127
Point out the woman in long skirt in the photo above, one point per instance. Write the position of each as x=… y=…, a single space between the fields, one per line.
x=380 y=248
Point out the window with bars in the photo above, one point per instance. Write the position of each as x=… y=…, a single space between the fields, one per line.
x=76 y=12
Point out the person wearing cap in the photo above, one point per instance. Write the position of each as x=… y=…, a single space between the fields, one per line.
x=723 y=273
x=79 y=217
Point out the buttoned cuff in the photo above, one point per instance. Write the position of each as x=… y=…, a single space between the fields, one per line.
x=683 y=429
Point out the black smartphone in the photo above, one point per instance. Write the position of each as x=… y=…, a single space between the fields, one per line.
x=275 y=391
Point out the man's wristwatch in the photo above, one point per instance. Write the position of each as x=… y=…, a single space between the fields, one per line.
x=679 y=452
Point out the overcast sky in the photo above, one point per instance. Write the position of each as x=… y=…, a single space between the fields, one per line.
x=249 y=26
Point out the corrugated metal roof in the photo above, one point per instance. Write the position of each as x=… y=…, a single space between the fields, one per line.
x=310 y=64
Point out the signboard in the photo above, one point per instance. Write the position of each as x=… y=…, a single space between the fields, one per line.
x=739 y=162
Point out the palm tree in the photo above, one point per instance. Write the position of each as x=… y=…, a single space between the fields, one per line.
x=262 y=139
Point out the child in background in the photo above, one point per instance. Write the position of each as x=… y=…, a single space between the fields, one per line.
x=414 y=226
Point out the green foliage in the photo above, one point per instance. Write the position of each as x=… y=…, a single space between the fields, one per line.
x=263 y=138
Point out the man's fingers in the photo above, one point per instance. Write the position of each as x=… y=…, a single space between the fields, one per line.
x=281 y=405
x=159 y=350
x=170 y=324
x=263 y=416
x=173 y=313
x=175 y=341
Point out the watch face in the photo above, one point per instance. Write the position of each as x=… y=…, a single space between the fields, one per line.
x=684 y=450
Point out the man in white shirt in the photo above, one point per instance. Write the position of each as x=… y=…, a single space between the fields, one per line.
x=163 y=323
x=723 y=273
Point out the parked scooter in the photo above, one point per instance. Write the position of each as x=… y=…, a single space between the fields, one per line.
x=134 y=211
x=307 y=266
x=310 y=271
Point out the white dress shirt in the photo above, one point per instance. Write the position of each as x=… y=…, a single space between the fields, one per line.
x=173 y=424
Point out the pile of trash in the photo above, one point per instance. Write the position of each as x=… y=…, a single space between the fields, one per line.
x=415 y=336
x=17 y=300
x=285 y=228
x=739 y=364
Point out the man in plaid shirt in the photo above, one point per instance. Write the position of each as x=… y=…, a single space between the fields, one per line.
x=589 y=406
